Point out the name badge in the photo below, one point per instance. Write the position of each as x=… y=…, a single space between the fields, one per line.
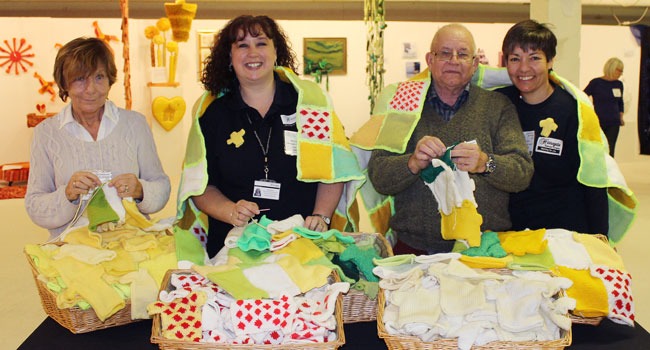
x=549 y=145
x=616 y=92
x=290 y=142
x=266 y=189
x=529 y=136
x=288 y=119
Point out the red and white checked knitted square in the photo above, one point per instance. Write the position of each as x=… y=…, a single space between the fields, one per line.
x=251 y=316
x=316 y=124
x=619 y=290
x=408 y=96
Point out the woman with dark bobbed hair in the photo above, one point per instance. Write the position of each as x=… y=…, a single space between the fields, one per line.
x=573 y=174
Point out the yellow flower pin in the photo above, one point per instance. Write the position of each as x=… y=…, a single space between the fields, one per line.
x=236 y=138
x=548 y=126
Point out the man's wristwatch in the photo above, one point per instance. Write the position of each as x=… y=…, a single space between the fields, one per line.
x=325 y=218
x=490 y=165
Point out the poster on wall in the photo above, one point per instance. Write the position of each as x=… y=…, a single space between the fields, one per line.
x=412 y=68
x=409 y=51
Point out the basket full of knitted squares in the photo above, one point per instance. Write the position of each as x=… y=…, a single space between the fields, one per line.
x=438 y=302
x=194 y=313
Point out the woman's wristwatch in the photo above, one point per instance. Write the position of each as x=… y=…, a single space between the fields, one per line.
x=325 y=218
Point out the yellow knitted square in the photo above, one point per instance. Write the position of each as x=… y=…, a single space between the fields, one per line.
x=303 y=249
x=601 y=252
x=84 y=236
x=588 y=291
x=317 y=165
x=523 y=242
x=463 y=223
x=485 y=262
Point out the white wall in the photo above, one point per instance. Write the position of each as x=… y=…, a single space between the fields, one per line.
x=349 y=92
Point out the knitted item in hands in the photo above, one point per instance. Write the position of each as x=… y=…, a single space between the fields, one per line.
x=105 y=207
x=464 y=222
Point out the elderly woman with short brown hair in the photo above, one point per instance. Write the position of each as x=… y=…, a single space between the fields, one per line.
x=90 y=142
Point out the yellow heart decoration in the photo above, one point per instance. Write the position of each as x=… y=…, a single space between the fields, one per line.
x=168 y=112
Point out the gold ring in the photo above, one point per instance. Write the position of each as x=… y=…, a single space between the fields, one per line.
x=126 y=188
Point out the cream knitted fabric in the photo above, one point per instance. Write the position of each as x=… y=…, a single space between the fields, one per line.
x=417 y=306
x=566 y=251
x=286 y=224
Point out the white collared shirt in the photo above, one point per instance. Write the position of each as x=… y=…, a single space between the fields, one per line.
x=107 y=124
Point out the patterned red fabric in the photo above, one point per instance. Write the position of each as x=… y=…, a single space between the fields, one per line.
x=316 y=124
x=252 y=316
x=619 y=289
x=181 y=319
x=408 y=95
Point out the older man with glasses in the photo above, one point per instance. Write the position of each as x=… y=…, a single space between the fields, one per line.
x=440 y=115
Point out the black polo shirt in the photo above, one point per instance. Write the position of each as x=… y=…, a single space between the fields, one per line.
x=555 y=198
x=233 y=170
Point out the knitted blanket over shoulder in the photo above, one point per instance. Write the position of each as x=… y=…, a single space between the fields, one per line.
x=324 y=155
x=598 y=168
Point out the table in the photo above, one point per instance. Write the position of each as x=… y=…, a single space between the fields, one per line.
x=50 y=335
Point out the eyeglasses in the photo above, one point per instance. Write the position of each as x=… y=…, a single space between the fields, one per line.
x=447 y=56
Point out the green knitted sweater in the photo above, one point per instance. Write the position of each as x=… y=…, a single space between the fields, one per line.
x=486 y=117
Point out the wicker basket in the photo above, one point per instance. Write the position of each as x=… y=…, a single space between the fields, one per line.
x=75 y=319
x=394 y=341
x=357 y=307
x=170 y=344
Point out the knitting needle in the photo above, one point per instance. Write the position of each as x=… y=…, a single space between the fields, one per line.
x=257 y=223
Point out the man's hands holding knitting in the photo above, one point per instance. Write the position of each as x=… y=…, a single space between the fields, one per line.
x=426 y=149
x=468 y=157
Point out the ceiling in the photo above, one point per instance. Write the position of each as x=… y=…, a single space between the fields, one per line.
x=599 y=12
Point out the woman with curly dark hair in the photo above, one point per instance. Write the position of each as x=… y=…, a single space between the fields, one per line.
x=218 y=73
x=265 y=142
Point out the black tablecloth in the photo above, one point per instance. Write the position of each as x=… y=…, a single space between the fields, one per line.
x=51 y=336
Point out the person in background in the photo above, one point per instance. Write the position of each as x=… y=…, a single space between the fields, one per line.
x=257 y=158
x=607 y=95
x=90 y=135
x=550 y=118
x=454 y=111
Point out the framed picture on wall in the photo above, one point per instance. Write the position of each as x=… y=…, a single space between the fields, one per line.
x=205 y=38
x=325 y=54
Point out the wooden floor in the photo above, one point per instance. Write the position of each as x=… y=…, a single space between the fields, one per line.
x=21 y=311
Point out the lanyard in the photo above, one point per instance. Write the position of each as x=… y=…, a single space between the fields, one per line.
x=265 y=151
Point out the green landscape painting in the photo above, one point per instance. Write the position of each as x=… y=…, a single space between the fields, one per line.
x=329 y=52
